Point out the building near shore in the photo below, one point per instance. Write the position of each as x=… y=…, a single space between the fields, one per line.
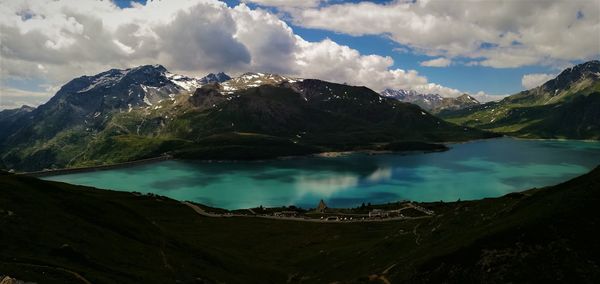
x=285 y=214
x=378 y=213
x=321 y=207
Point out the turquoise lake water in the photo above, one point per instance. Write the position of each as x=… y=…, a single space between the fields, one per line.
x=473 y=170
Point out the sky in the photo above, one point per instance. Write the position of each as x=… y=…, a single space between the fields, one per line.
x=489 y=48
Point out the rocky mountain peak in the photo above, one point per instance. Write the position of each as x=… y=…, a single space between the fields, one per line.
x=431 y=102
x=215 y=78
x=467 y=98
x=251 y=80
x=587 y=70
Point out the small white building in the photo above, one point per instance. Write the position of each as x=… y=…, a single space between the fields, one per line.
x=378 y=213
x=285 y=214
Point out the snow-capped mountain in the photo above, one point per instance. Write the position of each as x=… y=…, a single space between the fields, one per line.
x=147 y=111
x=250 y=80
x=426 y=101
x=431 y=102
x=125 y=88
x=215 y=78
x=129 y=88
x=92 y=100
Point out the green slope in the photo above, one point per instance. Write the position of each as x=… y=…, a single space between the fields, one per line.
x=565 y=107
x=59 y=233
x=286 y=119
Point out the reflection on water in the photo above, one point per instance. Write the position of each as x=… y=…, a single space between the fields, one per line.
x=380 y=174
x=468 y=171
x=325 y=186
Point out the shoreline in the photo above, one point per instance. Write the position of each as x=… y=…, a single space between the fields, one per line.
x=326 y=154
x=53 y=172
x=524 y=139
x=336 y=154
x=556 y=139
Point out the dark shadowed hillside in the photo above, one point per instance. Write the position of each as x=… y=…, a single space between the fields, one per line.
x=59 y=233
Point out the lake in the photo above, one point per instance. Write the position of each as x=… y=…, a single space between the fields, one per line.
x=474 y=170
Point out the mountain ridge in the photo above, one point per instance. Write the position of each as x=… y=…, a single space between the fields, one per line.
x=431 y=102
x=567 y=106
x=144 y=112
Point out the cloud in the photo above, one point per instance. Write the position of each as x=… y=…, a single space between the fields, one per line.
x=15 y=98
x=437 y=62
x=530 y=81
x=482 y=97
x=286 y=3
x=510 y=34
x=271 y=42
x=204 y=35
x=51 y=42
x=331 y=61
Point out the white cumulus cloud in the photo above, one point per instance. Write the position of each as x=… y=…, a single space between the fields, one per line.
x=51 y=42
x=437 y=62
x=499 y=33
x=286 y=3
x=533 y=80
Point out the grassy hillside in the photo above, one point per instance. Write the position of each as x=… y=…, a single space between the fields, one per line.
x=59 y=233
x=564 y=107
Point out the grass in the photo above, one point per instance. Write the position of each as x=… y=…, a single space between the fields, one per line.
x=243 y=146
x=51 y=230
x=572 y=114
x=123 y=148
x=285 y=122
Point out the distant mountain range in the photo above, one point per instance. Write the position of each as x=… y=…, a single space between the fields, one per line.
x=214 y=78
x=142 y=112
x=431 y=102
x=567 y=106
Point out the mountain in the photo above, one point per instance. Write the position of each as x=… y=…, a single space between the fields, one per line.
x=310 y=111
x=55 y=232
x=143 y=112
x=7 y=113
x=567 y=106
x=89 y=100
x=425 y=101
x=251 y=80
x=459 y=102
x=431 y=102
x=214 y=78
x=10 y=117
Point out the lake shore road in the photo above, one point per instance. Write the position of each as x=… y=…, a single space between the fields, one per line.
x=202 y=212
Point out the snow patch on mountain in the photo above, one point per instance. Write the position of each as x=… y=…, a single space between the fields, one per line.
x=431 y=102
x=188 y=84
x=252 y=80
